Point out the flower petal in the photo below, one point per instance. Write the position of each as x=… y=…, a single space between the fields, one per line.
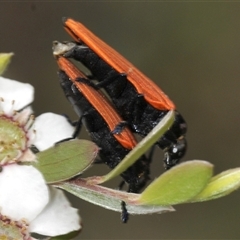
x=23 y=192
x=21 y=93
x=51 y=128
x=57 y=218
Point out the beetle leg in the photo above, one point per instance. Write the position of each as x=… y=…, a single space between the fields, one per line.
x=124 y=214
x=87 y=82
x=119 y=127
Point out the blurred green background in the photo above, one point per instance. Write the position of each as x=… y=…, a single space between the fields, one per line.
x=192 y=50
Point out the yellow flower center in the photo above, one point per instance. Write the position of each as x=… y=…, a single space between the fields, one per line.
x=12 y=230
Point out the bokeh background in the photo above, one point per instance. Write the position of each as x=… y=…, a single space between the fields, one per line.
x=192 y=50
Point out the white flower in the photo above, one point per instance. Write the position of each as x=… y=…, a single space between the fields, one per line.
x=18 y=129
x=26 y=202
x=25 y=197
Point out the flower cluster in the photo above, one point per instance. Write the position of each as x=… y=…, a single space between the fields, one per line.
x=27 y=204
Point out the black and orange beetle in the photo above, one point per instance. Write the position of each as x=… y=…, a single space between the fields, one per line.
x=106 y=128
x=138 y=100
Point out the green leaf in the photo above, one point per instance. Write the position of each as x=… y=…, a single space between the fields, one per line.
x=178 y=184
x=66 y=160
x=220 y=185
x=139 y=150
x=109 y=198
x=5 y=59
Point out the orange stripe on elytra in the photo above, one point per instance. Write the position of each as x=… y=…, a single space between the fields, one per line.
x=99 y=102
x=151 y=92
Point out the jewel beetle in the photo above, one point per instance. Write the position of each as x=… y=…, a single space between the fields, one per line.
x=105 y=126
x=138 y=99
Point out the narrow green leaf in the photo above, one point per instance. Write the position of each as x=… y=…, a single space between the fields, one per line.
x=109 y=198
x=5 y=59
x=139 y=150
x=66 y=160
x=220 y=185
x=178 y=184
